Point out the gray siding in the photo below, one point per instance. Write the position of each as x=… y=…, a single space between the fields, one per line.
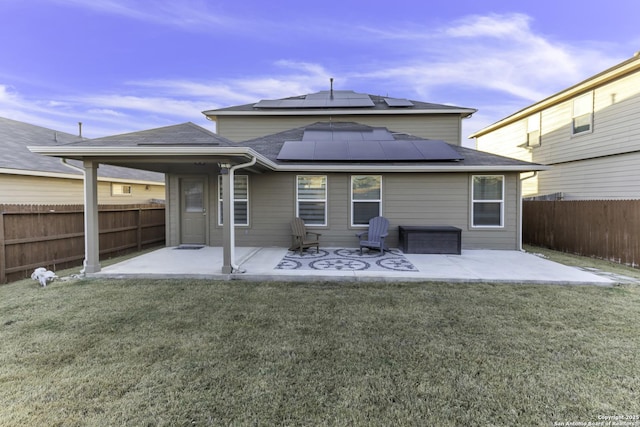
x=445 y=127
x=408 y=199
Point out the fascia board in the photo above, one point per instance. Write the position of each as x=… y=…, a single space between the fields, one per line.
x=79 y=152
x=148 y=151
x=212 y=115
x=405 y=169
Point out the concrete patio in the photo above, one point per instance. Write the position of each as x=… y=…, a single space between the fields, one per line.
x=260 y=264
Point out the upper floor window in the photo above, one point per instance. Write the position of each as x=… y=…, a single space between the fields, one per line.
x=240 y=200
x=487 y=200
x=533 y=130
x=582 y=115
x=366 y=198
x=311 y=199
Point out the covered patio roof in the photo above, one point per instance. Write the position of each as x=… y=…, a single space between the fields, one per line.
x=187 y=147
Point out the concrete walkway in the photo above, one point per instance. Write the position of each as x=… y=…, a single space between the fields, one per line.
x=260 y=263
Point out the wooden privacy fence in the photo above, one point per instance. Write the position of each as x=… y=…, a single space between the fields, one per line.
x=34 y=236
x=606 y=229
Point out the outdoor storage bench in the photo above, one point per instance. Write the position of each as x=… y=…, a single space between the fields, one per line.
x=441 y=239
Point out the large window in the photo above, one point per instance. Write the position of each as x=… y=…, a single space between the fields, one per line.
x=582 y=116
x=311 y=197
x=241 y=200
x=487 y=194
x=533 y=130
x=366 y=198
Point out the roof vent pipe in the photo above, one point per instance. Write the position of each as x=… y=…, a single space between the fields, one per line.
x=331 y=81
x=80 y=129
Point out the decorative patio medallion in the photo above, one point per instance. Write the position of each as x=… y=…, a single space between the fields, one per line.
x=346 y=259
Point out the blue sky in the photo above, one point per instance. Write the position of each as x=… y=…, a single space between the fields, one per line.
x=126 y=65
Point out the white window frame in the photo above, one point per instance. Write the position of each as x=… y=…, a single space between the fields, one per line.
x=581 y=109
x=500 y=201
x=121 y=190
x=322 y=200
x=236 y=199
x=354 y=200
x=534 y=133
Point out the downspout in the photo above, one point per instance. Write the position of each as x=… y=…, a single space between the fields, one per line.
x=69 y=165
x=81 y=170
x=535 y=173
x=232 y=230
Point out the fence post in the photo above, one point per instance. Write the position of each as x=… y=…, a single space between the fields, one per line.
x=3 y=258
x=139 y=229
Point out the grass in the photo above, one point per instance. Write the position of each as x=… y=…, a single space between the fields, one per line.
x=585 y=262
x=160 y=352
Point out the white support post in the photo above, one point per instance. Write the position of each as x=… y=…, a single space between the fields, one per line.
x=227 y=222
x=91 y=227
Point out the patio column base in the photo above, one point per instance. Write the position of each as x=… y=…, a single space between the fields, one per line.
x=227 y=269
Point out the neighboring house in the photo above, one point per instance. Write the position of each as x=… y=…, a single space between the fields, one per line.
x=334 y=173
x=28 y=178
x=589 y=134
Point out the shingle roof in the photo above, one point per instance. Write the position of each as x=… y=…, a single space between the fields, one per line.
x=378 y=102
x=199 y=141
x=175 y=135
x=270 y=146
x=16 y=136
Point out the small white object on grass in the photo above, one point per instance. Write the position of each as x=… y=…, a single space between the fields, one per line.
x=43 y=275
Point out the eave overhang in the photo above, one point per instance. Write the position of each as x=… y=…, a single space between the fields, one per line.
x=242 y=154
x=213 y=114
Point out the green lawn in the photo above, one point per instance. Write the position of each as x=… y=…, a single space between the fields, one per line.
x=154 y=352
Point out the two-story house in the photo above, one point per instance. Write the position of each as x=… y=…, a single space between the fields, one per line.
x=333 y=158
x=588 y=133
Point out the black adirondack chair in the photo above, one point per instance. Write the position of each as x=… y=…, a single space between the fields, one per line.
x=374 y=237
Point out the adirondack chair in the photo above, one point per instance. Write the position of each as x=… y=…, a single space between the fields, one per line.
x=302 y=238
x=378 y=227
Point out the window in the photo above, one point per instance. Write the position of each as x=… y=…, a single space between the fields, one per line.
x=121 y=190
x=240 y=198
x=533 y=130
x=311 y=197
x=487 y=195
x=366 y=198
x=582 y=117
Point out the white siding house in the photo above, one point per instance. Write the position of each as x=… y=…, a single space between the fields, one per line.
x=589 y=134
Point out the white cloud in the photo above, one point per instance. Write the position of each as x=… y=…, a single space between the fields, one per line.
x=186 y=14
x=495 y=52
x=498 y=58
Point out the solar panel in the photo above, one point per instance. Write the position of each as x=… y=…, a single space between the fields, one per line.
x=368 y=150
x=398 y=102
x=331 y=150
x=400 y=150
x=437 y=150
x=365 y=150
x=343 y=133
x=323 y=99
x=296 y=150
